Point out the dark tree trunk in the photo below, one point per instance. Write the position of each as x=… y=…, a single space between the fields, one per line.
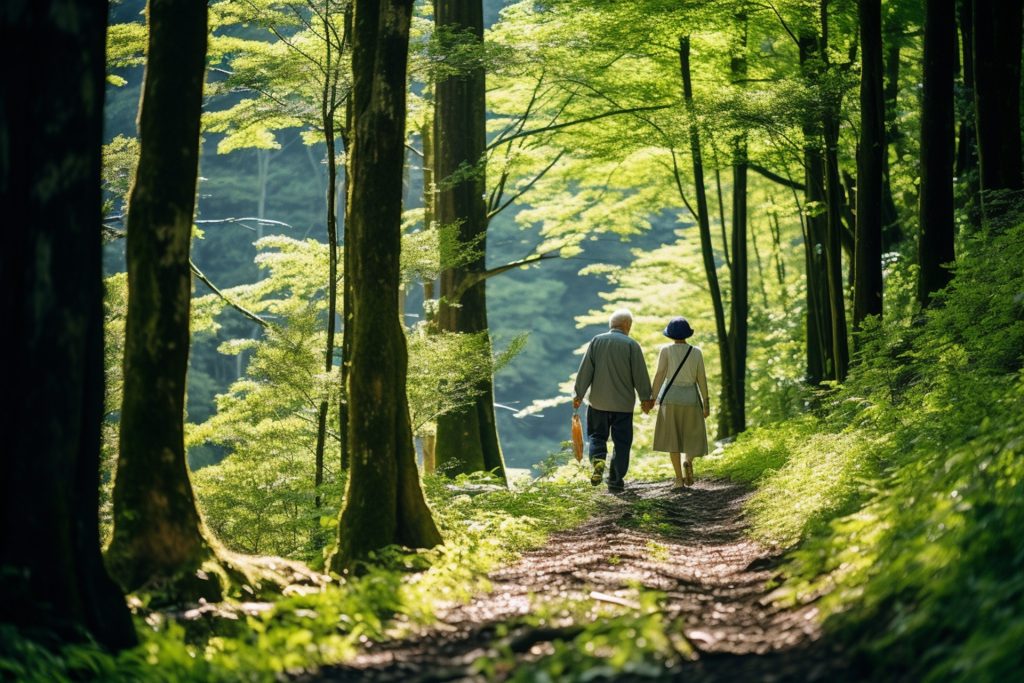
x=728 y=393
x=51 y=571
x=158 y=533
x=835 y=206
x=966 y=169
x=739 y=300
x=819 y=316
x=997 y=54
x=936 y=208
x=384 y=503
x=467 y=438
x=892 y=231
x=867 y=282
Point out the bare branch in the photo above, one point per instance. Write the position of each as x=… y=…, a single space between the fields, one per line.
x=517 y=195
x=238 y=307
x=775 y=177
x=477 y=277
x=585 y=119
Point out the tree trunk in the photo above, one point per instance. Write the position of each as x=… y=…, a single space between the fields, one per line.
x=384 y=503
x=728 y=392
x=966 y=169
x=467 y=438
x=51 y=572
x=892 y=231
x=820 y=361
x=997 y=54
x=834 y=203
x=867 y=282
x=158 y=534
x=936 y=207
x=739 y=300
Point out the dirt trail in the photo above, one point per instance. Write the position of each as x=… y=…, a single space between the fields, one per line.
x=689 y=545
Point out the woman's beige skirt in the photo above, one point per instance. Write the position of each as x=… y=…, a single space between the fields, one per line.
x=680 y=429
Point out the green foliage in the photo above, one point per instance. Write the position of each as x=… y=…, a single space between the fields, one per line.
x=904 y=494
x=609 y=643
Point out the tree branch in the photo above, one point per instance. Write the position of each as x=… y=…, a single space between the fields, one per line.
x=494 y=212
x=475 y=278
x=775 y=177
x=586 y=119
x=238 y=307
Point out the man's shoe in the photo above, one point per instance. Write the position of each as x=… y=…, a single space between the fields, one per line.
x=598 y=474
x=616 y=488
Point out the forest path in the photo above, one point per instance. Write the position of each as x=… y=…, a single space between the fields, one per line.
x=691 y=546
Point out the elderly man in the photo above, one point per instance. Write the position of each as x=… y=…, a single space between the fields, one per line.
x=614 y=371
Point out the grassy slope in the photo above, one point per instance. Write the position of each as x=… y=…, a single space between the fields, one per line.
x=901 y=499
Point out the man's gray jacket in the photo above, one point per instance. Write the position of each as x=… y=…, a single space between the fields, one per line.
x=613 y=369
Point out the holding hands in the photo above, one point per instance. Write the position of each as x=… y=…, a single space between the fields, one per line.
x=647 y=405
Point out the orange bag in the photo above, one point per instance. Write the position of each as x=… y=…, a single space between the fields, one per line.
x=577 y=436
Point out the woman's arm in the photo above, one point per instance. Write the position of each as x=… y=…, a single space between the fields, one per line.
x=659 y=375
x=702 y=383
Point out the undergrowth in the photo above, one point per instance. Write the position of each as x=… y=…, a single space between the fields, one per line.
x=483 y=526
x=901 y=497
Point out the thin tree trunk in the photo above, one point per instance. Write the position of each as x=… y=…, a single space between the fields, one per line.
x=384 y=503
x=867 y=282
x=467 y=438
x=52 y=292
x=158 y=534
x=346 y=270
x=707 y=250
x=997 y=55
x=328 y=106
x=935 y=247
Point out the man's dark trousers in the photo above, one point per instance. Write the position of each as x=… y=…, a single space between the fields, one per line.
x=599 y=424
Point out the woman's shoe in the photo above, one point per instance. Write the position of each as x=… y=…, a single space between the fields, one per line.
x=679 y=486
x=688 y=468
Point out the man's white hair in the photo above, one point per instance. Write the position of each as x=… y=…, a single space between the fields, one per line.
x=620 y=318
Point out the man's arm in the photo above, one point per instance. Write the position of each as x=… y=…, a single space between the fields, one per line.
x=641 y=380
x=584 y=376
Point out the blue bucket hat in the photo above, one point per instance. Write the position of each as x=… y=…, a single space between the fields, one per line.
x=678 y=328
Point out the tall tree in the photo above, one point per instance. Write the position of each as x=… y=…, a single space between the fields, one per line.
x=820 y=362
x=158 y=534
x=51 y=571
x=384 y=503
x=728 y=392
x=867 y=281
x=467 y=438
x=935 y=247
x=733 y=414
x=835 y=205
x=997 y=55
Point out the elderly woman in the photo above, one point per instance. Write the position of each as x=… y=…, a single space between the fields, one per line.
x=682 y=390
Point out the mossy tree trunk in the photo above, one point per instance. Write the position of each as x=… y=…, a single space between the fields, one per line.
x=384 y=502
x=51 y=570
x=867 y=281
x=935 y=246
x=158 y=534
x=467 y=438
